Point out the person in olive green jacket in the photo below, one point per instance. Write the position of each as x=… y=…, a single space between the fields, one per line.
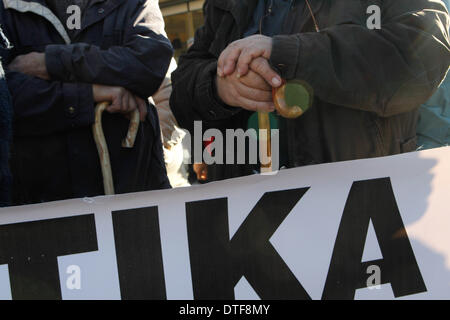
x=367 y=82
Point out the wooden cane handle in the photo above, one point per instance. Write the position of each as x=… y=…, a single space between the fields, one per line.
x=278 y=95
x=102 y=149
x=128 y=141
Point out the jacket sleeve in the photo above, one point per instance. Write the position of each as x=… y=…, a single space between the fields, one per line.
x=387 y=71
x=44 y=107
x=194 y=95
x=139 y=65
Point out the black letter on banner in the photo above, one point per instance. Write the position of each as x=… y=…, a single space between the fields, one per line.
x=31 y=249
x=218 y=263
x=139 y=254
x=372 y=200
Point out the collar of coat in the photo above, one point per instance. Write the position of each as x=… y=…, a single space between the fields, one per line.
x=39 y=8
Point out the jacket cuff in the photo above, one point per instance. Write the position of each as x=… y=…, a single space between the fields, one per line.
x=78 y=104
x=206 y=91
x=54 y=64
x=285 y=55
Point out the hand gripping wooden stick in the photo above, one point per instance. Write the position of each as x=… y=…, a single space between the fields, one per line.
x=102 y=147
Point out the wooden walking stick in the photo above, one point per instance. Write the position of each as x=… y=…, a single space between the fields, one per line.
x=265 y=142
x=291 y=100
x=102 y=147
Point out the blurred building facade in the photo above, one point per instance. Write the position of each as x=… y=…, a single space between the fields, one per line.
x=182 y=18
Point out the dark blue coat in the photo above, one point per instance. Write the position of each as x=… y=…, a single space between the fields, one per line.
x=5 y=134
x=120 y=43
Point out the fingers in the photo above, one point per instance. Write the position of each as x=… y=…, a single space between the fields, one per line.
x=142 y=106
x=239 y=54
x=261 y=66
x=122 y=101
x=235 y=93
x=252 y=105
x=132 y=104
x=247 y=61
x=244 y=60
x=116 y=97
x=254 y=93
x=125 y=102
x=230 y=61
x=32 y=64
x=254 y=80
x=116 y=104
x=227 y=61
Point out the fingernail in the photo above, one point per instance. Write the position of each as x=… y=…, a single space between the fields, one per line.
x=220 y=73
x=276 y=82
x=238 y=75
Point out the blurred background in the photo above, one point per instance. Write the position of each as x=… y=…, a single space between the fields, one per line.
x=182 y=18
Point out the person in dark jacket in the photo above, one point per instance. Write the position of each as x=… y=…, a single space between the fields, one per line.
x=5 y=132
x=58 y=71
x=367 y=83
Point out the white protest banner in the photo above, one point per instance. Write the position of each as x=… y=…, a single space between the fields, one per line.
x=366 y=229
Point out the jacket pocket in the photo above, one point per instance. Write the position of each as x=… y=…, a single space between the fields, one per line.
x=409 y=145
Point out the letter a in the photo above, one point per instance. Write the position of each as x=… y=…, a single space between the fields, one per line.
x=74 y=280
x=74 y=21
x=374 y=21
